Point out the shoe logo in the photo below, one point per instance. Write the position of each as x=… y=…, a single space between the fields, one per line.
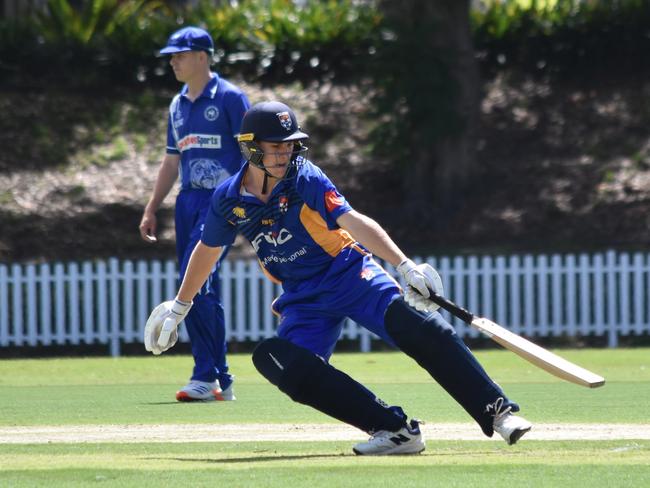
x=399 y=439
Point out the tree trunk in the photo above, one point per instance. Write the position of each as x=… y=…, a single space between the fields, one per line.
x=442 y=159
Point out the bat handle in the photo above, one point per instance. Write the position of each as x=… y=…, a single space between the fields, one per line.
x=451 y=307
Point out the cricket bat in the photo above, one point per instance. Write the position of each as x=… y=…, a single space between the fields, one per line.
x=540 y=357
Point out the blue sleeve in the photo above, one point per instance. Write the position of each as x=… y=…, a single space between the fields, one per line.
x=236 y=106
x=321 y=195
x=172 y=146
x=217 y=231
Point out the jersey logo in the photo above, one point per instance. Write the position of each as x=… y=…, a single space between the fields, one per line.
x=200 y=141
x=285 y=119
x=283 y=203
x=206 y=173
x=211 y=113
x=333 y=200
x=274 y=238
x=239 y=212
x=367 y=274
x=268 y=221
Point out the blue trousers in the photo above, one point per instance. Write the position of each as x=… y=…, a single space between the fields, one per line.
x=312 y=312
x=205 y=321
x=355 y=286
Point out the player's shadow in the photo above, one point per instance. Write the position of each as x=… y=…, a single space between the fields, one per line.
x=261 y=458
x=171 y=402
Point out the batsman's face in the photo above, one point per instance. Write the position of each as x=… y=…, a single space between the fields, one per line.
x=188 y=64
x=277 y=156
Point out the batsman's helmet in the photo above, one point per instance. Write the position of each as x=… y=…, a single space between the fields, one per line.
x=273 y=122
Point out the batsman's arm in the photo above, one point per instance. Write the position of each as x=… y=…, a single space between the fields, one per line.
x=201 y=264
x=372 y=236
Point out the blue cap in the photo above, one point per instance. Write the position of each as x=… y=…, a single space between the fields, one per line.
x=189 y=39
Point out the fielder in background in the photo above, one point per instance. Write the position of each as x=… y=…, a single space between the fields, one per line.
x=203 y=125
x=309 y=238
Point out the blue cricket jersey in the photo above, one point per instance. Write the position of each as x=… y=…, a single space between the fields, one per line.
x=295 y=234
x=204 y=132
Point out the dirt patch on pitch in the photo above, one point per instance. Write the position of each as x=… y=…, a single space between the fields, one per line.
x=292 y=432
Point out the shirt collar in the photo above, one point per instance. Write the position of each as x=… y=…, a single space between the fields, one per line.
x=210 y=90
x=234 y=187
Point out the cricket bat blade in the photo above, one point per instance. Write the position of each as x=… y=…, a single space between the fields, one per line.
x=540 y=357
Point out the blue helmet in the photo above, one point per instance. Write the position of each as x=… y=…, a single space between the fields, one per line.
x=273 y=122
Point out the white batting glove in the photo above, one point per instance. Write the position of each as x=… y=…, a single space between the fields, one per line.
x=418 y=302
x=419 y=279
x=161 y=330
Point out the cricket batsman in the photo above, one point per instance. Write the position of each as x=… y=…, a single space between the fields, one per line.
x=308 y=238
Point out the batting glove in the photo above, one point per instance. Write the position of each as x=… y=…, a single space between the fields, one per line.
x=419 y=279
x=161 y=330
x=418 y=302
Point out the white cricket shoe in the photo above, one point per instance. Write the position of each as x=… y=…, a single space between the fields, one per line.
x=227 y=395
x=203 y=391
x=509 y=426
x=407 y=440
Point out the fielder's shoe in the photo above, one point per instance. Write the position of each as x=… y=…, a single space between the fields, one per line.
x=227 y=395
x=203 y=391
x=407 y=440
x=509 y=426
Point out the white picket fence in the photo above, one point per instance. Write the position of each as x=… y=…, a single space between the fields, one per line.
x=108 y=302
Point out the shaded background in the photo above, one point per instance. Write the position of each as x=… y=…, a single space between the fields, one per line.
x=491 y=126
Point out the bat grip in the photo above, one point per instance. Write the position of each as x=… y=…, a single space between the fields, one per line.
x=451 y=307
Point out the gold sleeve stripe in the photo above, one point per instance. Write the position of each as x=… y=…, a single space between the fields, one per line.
x=332 y=241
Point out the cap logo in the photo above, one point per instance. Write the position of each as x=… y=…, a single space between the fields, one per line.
x=285 y=119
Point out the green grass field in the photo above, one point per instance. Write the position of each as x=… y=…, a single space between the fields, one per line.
x=139 y=391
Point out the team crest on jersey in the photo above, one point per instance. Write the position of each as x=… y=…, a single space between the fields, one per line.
x=239 y=212
x=333 y=200
x=211 y=113
x=283 y=203
x=285 y=119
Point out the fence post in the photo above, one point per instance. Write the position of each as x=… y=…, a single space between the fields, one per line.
x=4 y=306
x=114 y=321
x=59 y=296
x=365 y=343
x=32 y=315
x=612 y=295
x=516 y=322
x=17 y=303
x=639 y=271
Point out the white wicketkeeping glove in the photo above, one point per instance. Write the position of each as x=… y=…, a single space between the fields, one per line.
x=161 y=330
x=419 y=278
